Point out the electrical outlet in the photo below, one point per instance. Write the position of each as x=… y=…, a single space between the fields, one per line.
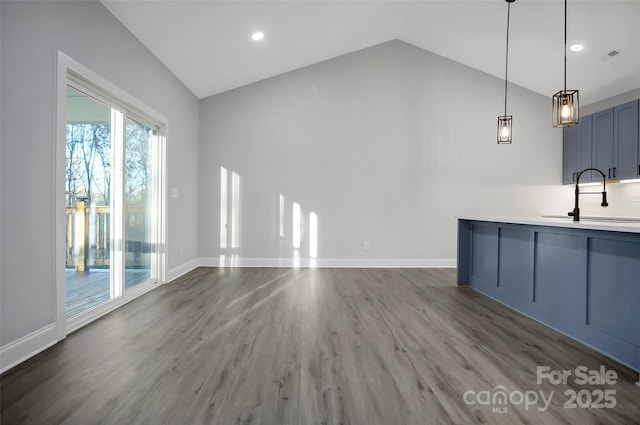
x=181 y=249
x=367 y=245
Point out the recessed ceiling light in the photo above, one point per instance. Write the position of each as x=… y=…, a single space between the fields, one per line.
x=257 y=36
x=576 y=47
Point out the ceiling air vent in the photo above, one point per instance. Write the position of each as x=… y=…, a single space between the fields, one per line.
x=613 y=53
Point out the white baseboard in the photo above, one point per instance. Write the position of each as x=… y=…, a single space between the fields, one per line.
x=182 y=269
x=368 y=263
x=28 y=346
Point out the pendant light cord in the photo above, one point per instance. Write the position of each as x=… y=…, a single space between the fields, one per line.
x=506 y=61
x=565 y=46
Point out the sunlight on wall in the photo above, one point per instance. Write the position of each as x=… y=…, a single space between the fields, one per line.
x=224 y=205
x=229 y=209
x=296 y=258
x=313 y=235
x=229 y=261
x=296 y=235
x=302 y=227
x=235 y=210
x=281 y=233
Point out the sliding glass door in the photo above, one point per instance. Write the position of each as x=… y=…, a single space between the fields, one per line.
x=112 y=200
x=138 y=196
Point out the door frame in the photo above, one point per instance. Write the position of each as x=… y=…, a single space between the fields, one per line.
x=66 y=66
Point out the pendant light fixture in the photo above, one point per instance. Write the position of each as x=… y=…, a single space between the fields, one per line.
x=505 y=121
x=565 y=103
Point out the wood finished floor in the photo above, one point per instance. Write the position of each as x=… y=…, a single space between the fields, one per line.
x=305 y=346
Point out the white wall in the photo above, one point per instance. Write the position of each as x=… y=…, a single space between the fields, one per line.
x=388 y=145
x=624 y=201
x=610 y=102
x=32 y=32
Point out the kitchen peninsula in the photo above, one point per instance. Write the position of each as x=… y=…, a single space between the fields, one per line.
x=580 y=278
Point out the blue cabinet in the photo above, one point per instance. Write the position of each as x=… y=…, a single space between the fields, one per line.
x=584 y=283
x=608 y=140
x=585 y=149
x=625 y=141
x=577 y=151
x=570 y=158
x=603 y=141
x=615 y=141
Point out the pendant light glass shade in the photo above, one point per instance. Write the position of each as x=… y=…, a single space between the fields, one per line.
x=504 y=129
x=565 y=108
x=505 y=121
x=565 y=104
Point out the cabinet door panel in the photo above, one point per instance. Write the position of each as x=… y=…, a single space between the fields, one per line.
x=585 y=149
x=626 y=140
x=515 y=266
x=560 y=287
x=569 y=154
x=484 y=258
x=603 y=141
x=614 y=268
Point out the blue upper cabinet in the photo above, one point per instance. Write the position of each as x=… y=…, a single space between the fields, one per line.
x=608 y=140
x=576 y=146
x=585 y=148
x=570 y=158
x=625 y=141
x=603 y=142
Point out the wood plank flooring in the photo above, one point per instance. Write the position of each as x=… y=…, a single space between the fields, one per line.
x=308 y=346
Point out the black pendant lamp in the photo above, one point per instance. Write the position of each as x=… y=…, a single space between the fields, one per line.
x=505 y=121
x=565 y=104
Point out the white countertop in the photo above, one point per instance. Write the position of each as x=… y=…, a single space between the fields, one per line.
x=596 y=224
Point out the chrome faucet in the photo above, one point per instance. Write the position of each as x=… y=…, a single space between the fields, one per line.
x=576 y=209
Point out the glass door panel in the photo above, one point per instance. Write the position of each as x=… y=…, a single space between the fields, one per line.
x=88 y=193
x=138 y=194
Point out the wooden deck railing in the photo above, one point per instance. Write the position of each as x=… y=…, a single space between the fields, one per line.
x=88 y=241
x=88 y=236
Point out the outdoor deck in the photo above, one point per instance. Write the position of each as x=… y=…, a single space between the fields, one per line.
x=89 y=289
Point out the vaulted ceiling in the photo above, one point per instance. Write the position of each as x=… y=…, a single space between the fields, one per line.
x=208 y=45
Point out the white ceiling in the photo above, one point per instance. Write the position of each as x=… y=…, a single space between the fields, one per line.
x=208 y=46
